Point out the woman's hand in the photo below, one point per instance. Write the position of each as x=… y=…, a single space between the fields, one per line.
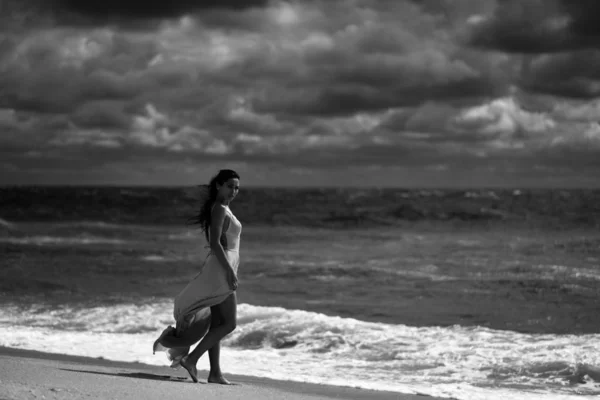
x=233 y=281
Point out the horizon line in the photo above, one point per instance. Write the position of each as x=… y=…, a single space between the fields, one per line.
x=307 y=187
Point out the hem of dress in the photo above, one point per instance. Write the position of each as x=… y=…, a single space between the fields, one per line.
x=206 y=303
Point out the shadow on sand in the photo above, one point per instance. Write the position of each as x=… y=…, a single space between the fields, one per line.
x=138 y=375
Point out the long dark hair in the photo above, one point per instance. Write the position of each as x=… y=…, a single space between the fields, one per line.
x=203 y=218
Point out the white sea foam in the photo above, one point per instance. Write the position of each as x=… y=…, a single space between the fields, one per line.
x=460 y=362
x=156 y=258
x=548 y=271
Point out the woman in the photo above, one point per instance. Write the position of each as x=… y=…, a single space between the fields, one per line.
x=206 y=309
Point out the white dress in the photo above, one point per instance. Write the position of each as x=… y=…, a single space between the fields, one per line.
x=208 y=288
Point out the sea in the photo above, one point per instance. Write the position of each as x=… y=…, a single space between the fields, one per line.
x=456 y=293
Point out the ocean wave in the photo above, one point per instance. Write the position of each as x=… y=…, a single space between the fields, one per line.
x=57 y=240
x=5 y=223
x=159 y=258
x=103 y=226
x=325 y=207
x=6 y=226
x=459 y=362
x=93 y=224
x=551 y=272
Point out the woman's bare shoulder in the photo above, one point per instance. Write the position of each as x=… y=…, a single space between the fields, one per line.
x=219 y=213
x=218 y=208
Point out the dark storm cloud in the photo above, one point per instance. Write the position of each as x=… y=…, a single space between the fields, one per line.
x=345 y=67
x=539 y=26
x=558 y=40
x=307 y=84
x=585 y=18
x=131 y=14
x=346 y=82
x=344 y=96
x=575 y=75
x=51 y=92
x=38 y=75
x=104 y=114
x=529 y=26
x=101 y=9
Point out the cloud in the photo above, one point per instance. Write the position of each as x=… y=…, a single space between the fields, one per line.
x=22 y=132
x=149 y=8
x=155 y=129
x=503 y=119
x=301 y=83
x=527 y=26
x=431 y=118
x=57 y=70
x=537 y=26
x=102 y=114
x=302 y=60
x=364 y=61
x=572 y=74
x=557 y=41
x=499 y=126
x=583 y=111
x=501 y=130
x=128 y=14
x=584 y=19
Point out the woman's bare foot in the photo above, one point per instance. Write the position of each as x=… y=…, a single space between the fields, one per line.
x=218 y=378
x=190 y=368
x=167 y=331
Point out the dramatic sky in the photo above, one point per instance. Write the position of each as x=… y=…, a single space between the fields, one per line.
x=301 y=92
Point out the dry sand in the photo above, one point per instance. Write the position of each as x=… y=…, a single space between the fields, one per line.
x=35 y=375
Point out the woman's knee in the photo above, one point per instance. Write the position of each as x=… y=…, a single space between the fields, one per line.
x=226 y=312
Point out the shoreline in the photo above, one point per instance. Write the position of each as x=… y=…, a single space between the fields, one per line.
x=29 y=374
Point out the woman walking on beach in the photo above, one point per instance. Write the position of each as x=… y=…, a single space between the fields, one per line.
x=206 y=308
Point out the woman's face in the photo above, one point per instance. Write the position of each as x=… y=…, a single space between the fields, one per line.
x=229 y=189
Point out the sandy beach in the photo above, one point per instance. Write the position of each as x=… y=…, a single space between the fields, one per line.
x=36 y=375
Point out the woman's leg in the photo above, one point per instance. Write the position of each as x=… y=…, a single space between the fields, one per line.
x=214 y=355
x=227 y=311
x=215 y=375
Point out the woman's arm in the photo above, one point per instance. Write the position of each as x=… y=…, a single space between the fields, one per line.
x=216 y=229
